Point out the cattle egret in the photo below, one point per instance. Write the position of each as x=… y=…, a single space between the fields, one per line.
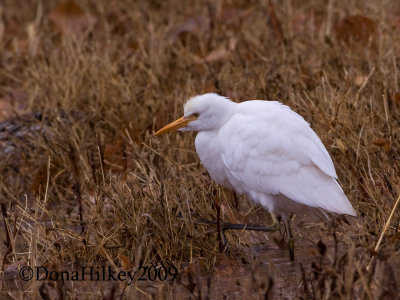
x=266 y=151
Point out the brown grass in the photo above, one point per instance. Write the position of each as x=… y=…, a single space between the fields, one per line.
x=84 y=181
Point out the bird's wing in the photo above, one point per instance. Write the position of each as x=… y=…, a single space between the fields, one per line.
x=270 y=149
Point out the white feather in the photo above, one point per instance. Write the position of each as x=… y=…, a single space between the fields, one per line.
x=267 y=151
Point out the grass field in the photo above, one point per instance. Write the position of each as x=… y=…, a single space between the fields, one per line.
x=84 y=182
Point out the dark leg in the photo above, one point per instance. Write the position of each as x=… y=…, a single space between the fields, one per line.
x=226 y=226
x=289 y=237
x=231 y=226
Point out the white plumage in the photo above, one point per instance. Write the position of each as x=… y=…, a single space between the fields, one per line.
x=265 y=150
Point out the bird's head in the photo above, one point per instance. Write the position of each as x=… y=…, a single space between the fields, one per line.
x=202 y=113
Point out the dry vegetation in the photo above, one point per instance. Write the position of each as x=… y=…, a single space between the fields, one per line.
x=84 y=181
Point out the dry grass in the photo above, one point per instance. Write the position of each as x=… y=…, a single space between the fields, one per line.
x=87 y=183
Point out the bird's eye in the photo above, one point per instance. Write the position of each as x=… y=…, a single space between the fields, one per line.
x=196 y=115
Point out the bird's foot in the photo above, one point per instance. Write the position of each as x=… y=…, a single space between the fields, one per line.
x=274 y=227
x=232 y=226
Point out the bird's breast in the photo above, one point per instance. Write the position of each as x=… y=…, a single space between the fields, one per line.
x=207 y=148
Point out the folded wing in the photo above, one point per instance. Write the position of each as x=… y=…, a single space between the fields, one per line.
x=270 y=149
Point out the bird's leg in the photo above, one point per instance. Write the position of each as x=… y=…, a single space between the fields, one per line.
x=221 y=236
x=222 y=226
x=275 y=226
x=231 y=226
x=289 y=238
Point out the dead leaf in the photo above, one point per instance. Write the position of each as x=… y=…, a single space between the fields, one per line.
x=357 y=30
x=396 y=97
x=209 y=88
x=115 y=158
x=126 y=263
x=359 y=80
x=40 y=180
x=387 y=147
x=380 y=141
x=70 y=18
x=384 y=143
x=341 y=145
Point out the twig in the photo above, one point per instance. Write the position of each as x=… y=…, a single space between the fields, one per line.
x=159 y=154
x=385 y=228
x=363 y=86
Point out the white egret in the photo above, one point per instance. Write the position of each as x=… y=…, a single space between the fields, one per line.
x=266 y=151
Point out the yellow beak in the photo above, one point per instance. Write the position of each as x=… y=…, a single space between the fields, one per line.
x=181 y=122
